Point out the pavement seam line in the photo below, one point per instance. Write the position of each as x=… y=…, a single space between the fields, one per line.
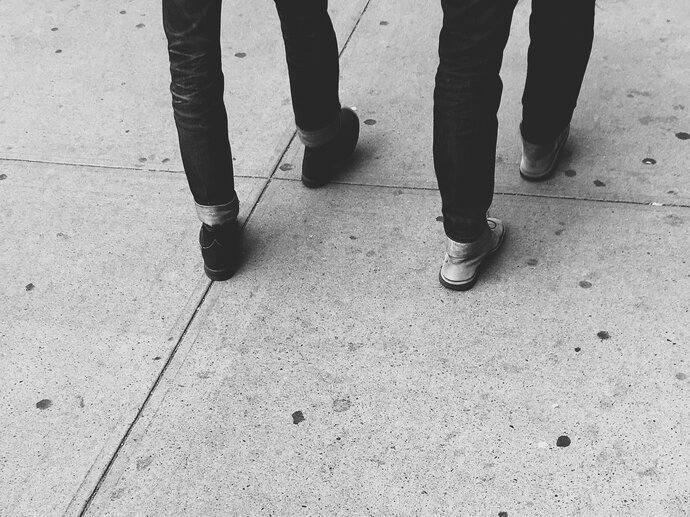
x=210 y=284
x=517 y=194
x=160 y=376
x=114 y=167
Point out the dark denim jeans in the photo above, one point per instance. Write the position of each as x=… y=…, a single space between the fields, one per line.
x=468 y=93
x=193 y=31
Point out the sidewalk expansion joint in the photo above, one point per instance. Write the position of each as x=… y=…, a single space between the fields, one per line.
x=518 y=194
x=158 y=380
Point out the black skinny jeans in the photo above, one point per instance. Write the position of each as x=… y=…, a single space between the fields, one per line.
x=468 y=93
x=193 y=31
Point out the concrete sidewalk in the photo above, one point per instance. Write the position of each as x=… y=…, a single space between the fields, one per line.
x=333 y=375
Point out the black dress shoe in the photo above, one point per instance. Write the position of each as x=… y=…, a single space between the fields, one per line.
x=321 y=164
x=221 y=249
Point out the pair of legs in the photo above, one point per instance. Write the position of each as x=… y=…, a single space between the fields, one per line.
x=468 y=93
x=193 y=28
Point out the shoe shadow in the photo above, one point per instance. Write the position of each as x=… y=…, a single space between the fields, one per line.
x=361 y=156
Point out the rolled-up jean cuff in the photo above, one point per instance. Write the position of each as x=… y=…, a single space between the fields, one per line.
x=320 y=136
x=218 y=214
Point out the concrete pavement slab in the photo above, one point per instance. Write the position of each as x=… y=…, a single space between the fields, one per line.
x=88 y=83
x=99 y=275
x=334 y=376
x=628 y=139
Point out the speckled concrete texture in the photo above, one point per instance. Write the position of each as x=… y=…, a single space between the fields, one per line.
x=334 y=376
x=99 y=275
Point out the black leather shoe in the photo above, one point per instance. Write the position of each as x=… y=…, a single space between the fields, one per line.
x=221 y=249
x=321 y=164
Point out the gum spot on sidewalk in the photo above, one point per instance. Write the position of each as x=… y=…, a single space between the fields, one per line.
x=297 y=417
x=563 y=441
x=44 y=404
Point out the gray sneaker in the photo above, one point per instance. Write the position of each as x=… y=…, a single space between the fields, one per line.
x=539 y=161
x=461 y=265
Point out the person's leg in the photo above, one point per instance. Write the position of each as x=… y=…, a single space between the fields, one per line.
x=311 y=51
x=466 y=100
x=193 y=31
x=561 y=35
x=328 y=132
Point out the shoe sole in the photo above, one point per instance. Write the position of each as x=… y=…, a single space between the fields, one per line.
x=219 y=275
x=552 y=166
x=469 y=284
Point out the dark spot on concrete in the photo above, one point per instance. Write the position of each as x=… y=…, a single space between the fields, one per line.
x=563 y=441
x=585 y=284
x=648 y=119
x=142 y=159
x=340 y=405
x=383 y=22
x=44 y=404
x=241 y=54
x=286 y=167
x=3 y=177
x=571 y=173
x=297 y=417
x=673 y=220
x=353 y=237
x=638 y=93
x=681 y=376
x=577 y=349
x=63 y=235
x=559 y=231
x=157 y=358
x=165 y=160
x=683 y=135
x=532 y=262
x=170 y=338
x=81 y=402
x=502 y=514
x=29 y=287
x=370 y=253
x=440 y=218
x=602 y=334
x=54 y=29
x=142 y=463
x=123 y=12
x=649 y=161
x=140 y=25
x=674 y=192
x=58 y=51
x=370 y=122
x=599 y=183
x=678 y=107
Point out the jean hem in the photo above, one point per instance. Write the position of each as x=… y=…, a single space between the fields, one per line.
x=217 y=215
x=320 y=136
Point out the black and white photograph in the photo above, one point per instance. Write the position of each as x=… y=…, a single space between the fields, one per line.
x=358 y=258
